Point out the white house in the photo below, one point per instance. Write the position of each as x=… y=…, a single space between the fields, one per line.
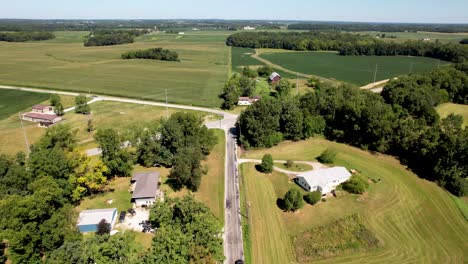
x=323 y=180
x=145 y=188
x=88 y=220
x=249 y=28
x=248 y=100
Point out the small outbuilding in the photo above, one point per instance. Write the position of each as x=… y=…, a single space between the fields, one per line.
x=248 y=100
x=274 y=77
x=88 y=220
x=323 y=180
x=145 y=188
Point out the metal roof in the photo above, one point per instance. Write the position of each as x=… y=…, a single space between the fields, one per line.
x=146 y=184
x=273 y=75
x=49 y=117
x=323 y=177
x=93 y=217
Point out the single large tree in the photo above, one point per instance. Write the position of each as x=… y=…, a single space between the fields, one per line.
x=267 y=164
x=293 y=200
x=82 y=106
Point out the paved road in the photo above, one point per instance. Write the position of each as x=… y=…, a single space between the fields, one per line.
x=233 y=246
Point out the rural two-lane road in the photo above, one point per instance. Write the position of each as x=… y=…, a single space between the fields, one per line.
x=233 y=245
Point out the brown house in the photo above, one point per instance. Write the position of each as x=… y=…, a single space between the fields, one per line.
x=275 y=77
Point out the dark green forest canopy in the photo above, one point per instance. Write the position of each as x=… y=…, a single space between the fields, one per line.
x=347 y=44
x=152 y=54
x=386 y=27
x=25 y=36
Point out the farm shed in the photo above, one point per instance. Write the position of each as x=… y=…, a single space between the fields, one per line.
x=274 y=77
x=89 y=219
x=145 y=188
x=323 y=180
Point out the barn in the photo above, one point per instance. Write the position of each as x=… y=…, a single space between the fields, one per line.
x=275 y=77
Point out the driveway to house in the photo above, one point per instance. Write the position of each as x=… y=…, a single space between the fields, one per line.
x=316 y=165
x=133 y=222
x=233 y=244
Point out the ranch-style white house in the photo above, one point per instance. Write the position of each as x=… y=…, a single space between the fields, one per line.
x=248 y=100
x=145 y=188
x=323 y=180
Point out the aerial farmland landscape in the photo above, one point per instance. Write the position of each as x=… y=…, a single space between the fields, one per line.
x=215 y=132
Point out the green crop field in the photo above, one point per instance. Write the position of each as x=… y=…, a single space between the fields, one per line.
x=12 y=101
x=449 y=108
x=432 y=36
x=414 y=220
x=64 y=63
x=241 y=57
x=358 y=70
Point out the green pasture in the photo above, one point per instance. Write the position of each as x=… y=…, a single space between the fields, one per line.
x=12 y=101
x=414 y=220
x=358 y=70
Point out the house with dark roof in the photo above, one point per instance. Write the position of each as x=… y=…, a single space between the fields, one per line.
x=145 y=188
x=42 y=114
x=274 y=77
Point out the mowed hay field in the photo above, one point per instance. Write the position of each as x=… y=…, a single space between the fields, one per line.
x=449 y=108
x=414 y=220
x=357 y=70
x=64 y=63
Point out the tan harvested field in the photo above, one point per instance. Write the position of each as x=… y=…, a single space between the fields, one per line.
x=415 y=220
x=65 y=64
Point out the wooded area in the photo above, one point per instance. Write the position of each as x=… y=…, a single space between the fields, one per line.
x=152 y=54
x=25 y=36
x=347 y=44
x=401 y=122
x=385 y=27
x=112 y=37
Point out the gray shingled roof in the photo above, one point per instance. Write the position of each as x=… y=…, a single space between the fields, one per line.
x=146 y=184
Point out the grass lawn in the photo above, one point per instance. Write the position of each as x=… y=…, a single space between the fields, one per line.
x=358 y=70
x=449 y=108
x=295 y=167
x=11 y=101
x=413 y=219
x=65 y=64
x=117 y=191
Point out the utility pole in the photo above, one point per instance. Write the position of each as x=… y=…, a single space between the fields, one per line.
x=24 y=133
x=297 y=83
x=411 y=68
x=167 y=113
x=375 y=73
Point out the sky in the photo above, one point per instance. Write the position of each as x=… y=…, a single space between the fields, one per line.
x=414 y=11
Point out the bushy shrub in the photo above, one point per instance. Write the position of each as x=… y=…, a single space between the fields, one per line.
x=267 y=164
x=356 y=184
x=293 y=200
x=328 y=156
x=313 y=197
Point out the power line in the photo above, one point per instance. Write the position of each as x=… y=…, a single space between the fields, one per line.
x=375 y=73
x=24 y=133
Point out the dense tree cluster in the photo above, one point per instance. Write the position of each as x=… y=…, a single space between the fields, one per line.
x=186 y=232
x=347 y=44
x=152 y=54
x=82 y=106
x=25 y=36
x=112 y=37
x=385 y=27
x=36 y=214
x=114 y=155
x=402 y=121
x=181 y=142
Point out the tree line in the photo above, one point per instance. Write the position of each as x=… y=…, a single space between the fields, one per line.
x=402 y=122
x=385 y=27
x=152 y=54
x=112 y=37
x=25 y=36
x=347 y=44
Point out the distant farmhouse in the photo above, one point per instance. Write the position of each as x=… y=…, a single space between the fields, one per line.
x=145 y=188
x=89 y=219
x=248 y=100
x=249 y=28
x=323 y=180
x=42 y=114
x=274 y=77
